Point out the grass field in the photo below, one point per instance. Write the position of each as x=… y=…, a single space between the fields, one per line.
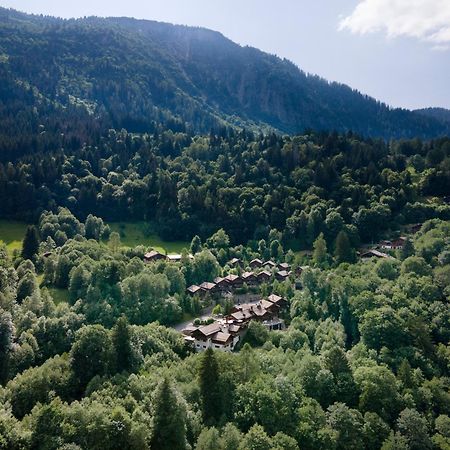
x=12 y=233
x=132 y=234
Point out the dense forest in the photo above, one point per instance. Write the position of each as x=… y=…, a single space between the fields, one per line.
x=179 y=130
x=131 y=74
x=247 y=184
x=364 y=363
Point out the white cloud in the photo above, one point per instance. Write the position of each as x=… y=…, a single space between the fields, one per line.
x=427 y=20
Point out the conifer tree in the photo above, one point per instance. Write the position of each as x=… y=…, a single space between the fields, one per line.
x=320 y=251
x=30 y=246
x=196 y=245
x=407 y=250
x=169 y=421
x=121 y=338
x=209 y=387
x=343 y=250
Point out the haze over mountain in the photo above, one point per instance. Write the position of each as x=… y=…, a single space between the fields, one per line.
x=135 y=73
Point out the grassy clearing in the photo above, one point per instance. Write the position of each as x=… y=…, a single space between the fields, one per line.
x=133 y=234
x=12 y=234
x=59 y=295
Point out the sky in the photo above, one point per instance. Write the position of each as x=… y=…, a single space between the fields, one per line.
x=397 y=51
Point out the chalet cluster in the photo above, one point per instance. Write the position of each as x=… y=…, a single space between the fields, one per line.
x=260 y=272
x=396 y=244
x=226 y=333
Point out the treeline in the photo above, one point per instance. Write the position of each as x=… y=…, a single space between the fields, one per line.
x=364 y=363
x=244 y=183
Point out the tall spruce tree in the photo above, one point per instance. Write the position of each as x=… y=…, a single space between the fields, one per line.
x=209 y=388
x=343 y=251
x=30 y=246
x=121 y=338
x=320 y=251
x=169 y=420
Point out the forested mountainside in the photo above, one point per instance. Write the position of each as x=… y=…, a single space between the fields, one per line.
x=246 y=184
x=131 y=74
x=441 y=114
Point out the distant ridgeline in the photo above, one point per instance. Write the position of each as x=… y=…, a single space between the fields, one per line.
x=64 y=82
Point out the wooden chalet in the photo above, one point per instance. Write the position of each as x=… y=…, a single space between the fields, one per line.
x=215 y=336
x=208 y=287
x=374 y=254
x=256 y=263
x=269 y=265
x=264 y=276
x=282 y=275
x=153 y=256
x=249 y=279
x=221 y=284
x=234 y=281
x=235 y=262
x=284 y=266
x=194 y=289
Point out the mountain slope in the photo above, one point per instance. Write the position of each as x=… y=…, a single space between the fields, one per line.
x=134 y=73
x=440 y=114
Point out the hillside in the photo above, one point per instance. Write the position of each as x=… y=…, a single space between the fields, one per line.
x=59 y=74
x=440 y=114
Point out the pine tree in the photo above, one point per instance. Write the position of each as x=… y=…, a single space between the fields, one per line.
x=320 y=251
x=407 y=250
x=121 y=338
x=169 y=421
x=343 y=251
x=30 y=246
x=209 y=388
x=196 y=245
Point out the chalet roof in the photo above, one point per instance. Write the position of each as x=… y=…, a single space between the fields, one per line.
x=219 y=280
x=210 y=329
x=247 y=275
x=284 y=266
x=174 y=257
x=273 y=298
x=375 y=253
x=231 y=277
x=256 y=262
x=188 y=330
x=269 y=263
x=283 y=273
x=265 y=273
x=153 y=254
x=221 y=338
x=234 y=261
x=234 y=328
x=206 y=286
x=193 y=289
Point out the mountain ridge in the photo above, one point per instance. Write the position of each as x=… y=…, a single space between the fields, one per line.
x=134 y=72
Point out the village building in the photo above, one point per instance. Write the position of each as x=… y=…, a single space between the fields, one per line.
x=282 y=275
x=284 y=266
x=249 y=279
x=395 y=244
x=374 y=254
x=269 y=265
x=217 y=336
x=222 y=284
x=208 y=287
x=234 y=281
x=153 y=256
x=264 y=276
x=194 y=289
x=235 y=262
x=256 y=263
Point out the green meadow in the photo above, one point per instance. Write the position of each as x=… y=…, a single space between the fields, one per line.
x=11 y=234
x=137 y=233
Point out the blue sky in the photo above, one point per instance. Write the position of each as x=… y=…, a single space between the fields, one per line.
x=395 y=50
